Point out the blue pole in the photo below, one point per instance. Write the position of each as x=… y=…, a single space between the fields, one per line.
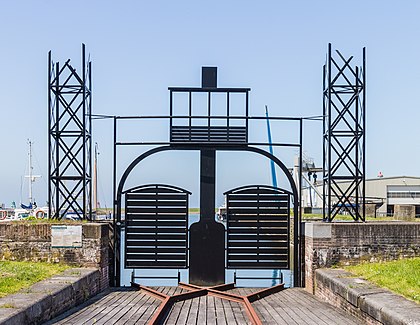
x=273 y=176
x=273 y=169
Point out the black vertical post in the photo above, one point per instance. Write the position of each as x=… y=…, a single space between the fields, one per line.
x=116 y=215
x=207 y=237
x=358 y=132
x=50 y=113
x=57 y=145
x=299 y=242
x=83 y=118
x=364 y=135
x=329 y=135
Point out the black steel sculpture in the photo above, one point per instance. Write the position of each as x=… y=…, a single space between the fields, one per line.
x=207 y=133
x=344 y=99
x=70 y=140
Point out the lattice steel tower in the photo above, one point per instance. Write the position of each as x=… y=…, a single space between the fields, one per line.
x=344 y=136
x=70 y=139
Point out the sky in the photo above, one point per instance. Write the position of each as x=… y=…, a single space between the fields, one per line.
x=140 y=48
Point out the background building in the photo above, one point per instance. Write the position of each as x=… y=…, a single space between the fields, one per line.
x=392 y=196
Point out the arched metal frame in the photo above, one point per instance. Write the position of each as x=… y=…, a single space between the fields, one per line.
x=119 y=192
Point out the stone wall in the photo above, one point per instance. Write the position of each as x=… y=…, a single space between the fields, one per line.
x=51 y=297
x=329 y=244
x=365 y=301
x=25 y=241
x=404 y=212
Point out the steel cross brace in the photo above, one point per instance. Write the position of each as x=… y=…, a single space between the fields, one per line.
x=216 y=291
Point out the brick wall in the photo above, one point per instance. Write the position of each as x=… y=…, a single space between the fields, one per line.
x=23 y=241
x=329 y=244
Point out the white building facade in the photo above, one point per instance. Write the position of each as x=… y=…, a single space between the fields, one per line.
x=387 y=193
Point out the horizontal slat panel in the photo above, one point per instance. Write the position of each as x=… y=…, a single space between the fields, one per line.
x=208 y=134
x=167 y=257
x=161 y=237
x=159 y=230
x=252 y=217
x=151 y=210
x=154 y=264
x=152 y=216
x=258 y=231
x=258 y=265
x=257 y=204
x=256 y=211
x=255 y=224
x=157 y=204
x=140 y=241
x=254 y=257
x=253 y=251
x=254 y=244
x=160 y=223
x=178 y=128
x=254 y=236
x=158 y=250
x=158 y=196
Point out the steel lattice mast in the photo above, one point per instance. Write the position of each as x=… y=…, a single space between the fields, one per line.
x=344 y=136
x=70 y=139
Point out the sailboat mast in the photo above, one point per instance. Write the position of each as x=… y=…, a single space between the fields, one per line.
x=95 y=179
x=30 y=172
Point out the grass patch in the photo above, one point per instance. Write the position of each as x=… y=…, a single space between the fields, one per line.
x=15 y=276
x=401 y=277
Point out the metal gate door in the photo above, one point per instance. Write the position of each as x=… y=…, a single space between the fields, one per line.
x=156 y=218
x=258 y=228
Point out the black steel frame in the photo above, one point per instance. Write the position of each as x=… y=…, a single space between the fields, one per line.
x=70 y=139
x=208 y=139
x=168 y=146
x=344 y=150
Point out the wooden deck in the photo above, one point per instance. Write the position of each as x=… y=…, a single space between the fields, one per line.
x=133 y=306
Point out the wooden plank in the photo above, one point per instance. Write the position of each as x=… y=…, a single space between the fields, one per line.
x=322 y=310
x=106 y=314
x=287 y=299
x=220 y=312
x=97 y=308
x=139 y=314
x=202 y=310
x=86 y=307
x=239 y=313
x=211 y=310
x=126 y=311
x=230 y=311
x=279 y=311
x=194 y=311
x=183 y=314
x=175 y=309
x=113 y=312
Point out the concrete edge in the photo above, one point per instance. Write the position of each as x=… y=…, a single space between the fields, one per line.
x=51 y=297
x=380 y=304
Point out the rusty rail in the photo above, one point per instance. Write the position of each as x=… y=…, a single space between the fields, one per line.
x=216 y=291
